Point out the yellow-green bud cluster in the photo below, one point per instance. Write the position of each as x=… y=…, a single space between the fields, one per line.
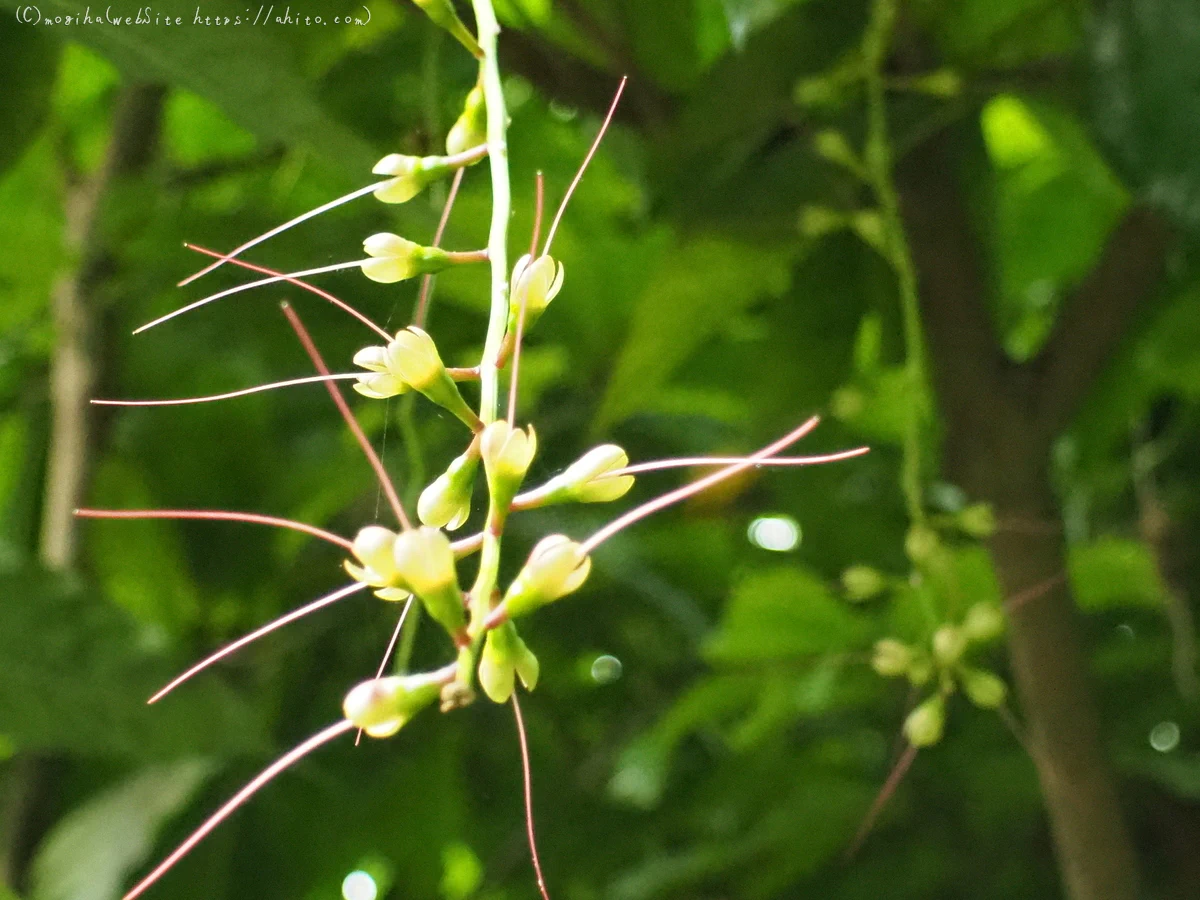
x=946 y=657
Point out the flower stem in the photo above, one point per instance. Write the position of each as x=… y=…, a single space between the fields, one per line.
x=497 y=124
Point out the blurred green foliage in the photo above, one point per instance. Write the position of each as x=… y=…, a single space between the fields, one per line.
x=706 y=309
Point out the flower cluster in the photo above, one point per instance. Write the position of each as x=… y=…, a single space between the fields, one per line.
x=418 y=563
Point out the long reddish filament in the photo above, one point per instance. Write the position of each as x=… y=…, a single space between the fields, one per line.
x=217 y=515
x=279 y=229
x=427 y=281
x=304 y=285
x=562 y=207
x=286 y=761
x=526 y=772
x=539 y=196
x=646 y=509
x=257 y=389
x=204 y=301
x=241 y=642
x=694 y=461
x=372 y=457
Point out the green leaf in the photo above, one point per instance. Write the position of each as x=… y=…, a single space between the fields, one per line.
x=698 y=288
x=1114 y=573
x=77 y=674
x=1146 y=98
x=245 y=70
x=28 y=58
x=93 y=849
x=783 y=613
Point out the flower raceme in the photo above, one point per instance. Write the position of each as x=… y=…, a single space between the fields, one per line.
x=421 y=561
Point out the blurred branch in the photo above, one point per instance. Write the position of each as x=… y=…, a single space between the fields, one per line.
x=75 y=365
x=997 y=449
x=74 y=368
x=1099 y=316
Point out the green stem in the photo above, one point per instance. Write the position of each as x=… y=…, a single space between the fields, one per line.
x=497 y=124
x=876 y=44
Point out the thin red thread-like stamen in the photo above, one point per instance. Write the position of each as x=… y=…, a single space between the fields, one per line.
x=217 y=515
x=352 y=423
x=204 y=301
x=525 y=771
x=427 y=281
x=387 y=654
x=279 y=229
x=287 y=760
x=539 y=196
x=303 y=285
x=273 y=625
x=653 y=506
x=885 y=793
x=562 y=207
x=257 y=389
x=1033 y=592
x=685 y=462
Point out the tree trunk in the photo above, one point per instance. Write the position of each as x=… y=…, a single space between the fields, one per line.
x=1001 y=420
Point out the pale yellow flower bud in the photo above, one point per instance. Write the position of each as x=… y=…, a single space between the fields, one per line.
x=425 y=561
x=505 y=655
x=380 y=383
x=587 y=480
x=507 y=454
x=556 y=567
x=382 y=706
x=534 y=283
x=446 y=503
x=409 y=177
x=396 y=258
x=414 y=357
x=373 y=546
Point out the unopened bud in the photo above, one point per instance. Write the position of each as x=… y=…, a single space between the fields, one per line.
x=382 y=706
x=863 y=583
x=507 y=454
x=470 y=130
x=504 y=656
x=556 y=567
x=983 y=622
x=949 y=643
x=924 y=725
x=587 y=480
x=891 y=658
x=921 y=544
x=985 y=689
x=425 y=561
x=395 y=258
x=446 y=503
x=834 y=147
x=977 y=520
x=534 y=284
